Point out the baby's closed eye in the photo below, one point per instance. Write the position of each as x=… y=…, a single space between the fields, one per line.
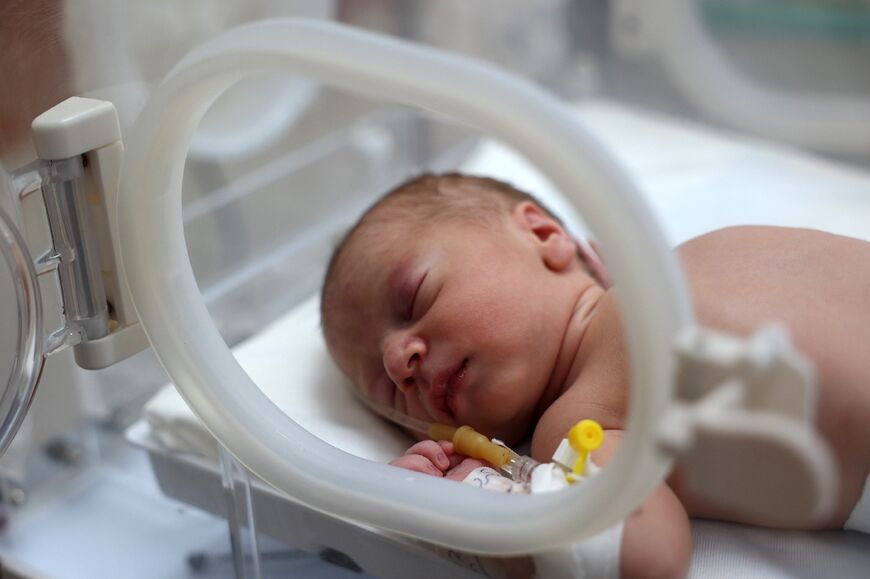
x=427 y=294
x=413 y=301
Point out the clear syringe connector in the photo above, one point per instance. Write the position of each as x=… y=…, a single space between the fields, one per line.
x=518 y=467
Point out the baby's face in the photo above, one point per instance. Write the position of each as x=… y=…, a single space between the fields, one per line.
x=456 y=323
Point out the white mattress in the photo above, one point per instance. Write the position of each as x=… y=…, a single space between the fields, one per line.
x=696 y=180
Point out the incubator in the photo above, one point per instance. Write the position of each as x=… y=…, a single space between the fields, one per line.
x=99 y=252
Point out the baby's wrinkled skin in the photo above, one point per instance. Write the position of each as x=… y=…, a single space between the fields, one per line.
x=503 y=328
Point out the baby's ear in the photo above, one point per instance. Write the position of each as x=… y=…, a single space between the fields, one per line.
x=554 y=245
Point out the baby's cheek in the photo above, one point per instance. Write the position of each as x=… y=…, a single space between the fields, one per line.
x=382 y=391
x=414 y=407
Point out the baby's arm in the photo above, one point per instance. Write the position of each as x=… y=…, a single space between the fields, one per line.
x=656 y=538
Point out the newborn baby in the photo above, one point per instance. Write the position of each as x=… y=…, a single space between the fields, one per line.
x=461 y=300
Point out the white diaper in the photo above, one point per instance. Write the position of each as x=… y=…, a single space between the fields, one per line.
x=594 y=558
x=859 y=520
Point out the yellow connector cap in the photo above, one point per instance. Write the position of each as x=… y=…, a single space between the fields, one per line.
x=584 y=437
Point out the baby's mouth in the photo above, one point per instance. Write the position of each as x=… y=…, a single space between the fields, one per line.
x=454 y=387
x=443 y=396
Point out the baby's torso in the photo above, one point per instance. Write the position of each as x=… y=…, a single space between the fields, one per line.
x=817 y=285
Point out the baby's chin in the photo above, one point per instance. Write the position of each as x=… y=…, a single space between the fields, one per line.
x=509 y=432
x=500 y=415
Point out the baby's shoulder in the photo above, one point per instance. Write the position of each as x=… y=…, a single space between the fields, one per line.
x=597 y=389
x=741 y=276
x=748 y=242
x=564 y=413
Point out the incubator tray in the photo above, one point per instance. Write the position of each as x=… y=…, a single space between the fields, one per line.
x=196 y=480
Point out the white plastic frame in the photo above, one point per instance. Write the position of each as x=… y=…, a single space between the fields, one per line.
x=237 y=413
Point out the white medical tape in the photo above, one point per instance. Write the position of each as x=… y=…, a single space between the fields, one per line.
x=488 y=478
x=595 y=558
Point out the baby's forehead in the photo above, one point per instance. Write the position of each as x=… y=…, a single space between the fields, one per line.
x=369 y=249
x=384 y=235
x=362 y=273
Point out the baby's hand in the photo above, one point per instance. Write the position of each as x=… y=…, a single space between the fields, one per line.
x=437 y=459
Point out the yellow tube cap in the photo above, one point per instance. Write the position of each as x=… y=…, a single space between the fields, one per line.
x=584 y=437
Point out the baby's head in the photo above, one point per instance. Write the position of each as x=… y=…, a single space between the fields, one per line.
x=449 y=300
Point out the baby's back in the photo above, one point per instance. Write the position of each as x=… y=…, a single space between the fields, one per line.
x=817 y=285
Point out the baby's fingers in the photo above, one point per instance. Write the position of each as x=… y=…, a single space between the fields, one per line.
x=432 y=451
x=417 y=463
x=464 y=469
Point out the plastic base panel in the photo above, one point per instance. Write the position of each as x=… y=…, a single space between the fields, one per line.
x=198 y=482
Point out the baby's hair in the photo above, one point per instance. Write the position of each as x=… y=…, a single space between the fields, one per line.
x=429 y=199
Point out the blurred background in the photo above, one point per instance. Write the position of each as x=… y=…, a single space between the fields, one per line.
x=277 y=153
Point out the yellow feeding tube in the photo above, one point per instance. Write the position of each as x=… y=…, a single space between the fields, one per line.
x=465 y=441
x=471 y=443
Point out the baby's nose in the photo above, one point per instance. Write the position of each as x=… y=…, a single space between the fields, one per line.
x=402 y=358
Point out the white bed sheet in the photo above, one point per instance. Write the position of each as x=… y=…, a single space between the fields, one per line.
x=289 y=362
x=695 y=180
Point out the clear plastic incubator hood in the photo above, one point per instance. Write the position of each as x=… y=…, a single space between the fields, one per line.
x=692 y=391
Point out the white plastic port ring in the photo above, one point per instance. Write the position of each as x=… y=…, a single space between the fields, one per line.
x=256 y=431
x=28 y=361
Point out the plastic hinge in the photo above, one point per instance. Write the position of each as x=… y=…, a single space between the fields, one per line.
x=71 y=229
